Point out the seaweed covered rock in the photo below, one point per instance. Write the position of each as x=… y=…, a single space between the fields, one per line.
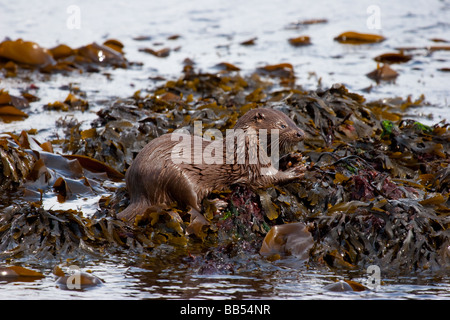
x=397 y=235
x=376 y=190
x=33 y=232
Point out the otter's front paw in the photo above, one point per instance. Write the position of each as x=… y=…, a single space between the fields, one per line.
x=296 y=172
x=290 y=160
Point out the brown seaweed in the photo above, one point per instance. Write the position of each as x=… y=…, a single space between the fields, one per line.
x=62 y=58
x=376 y=190
x=384 y=73
x=300 y=41
x=11 y=107
x=392 y=58
x=352 y=37
x=26 y=52
x=287 y=239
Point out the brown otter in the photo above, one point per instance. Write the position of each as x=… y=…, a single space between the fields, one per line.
x=158 y=177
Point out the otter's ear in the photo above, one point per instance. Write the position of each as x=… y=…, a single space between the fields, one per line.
x=259 y=117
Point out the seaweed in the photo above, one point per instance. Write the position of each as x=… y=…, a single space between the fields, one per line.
x=19 y=54
x=376 y=190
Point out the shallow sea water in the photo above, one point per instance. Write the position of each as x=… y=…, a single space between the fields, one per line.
x=122 y=282
x=211 y=32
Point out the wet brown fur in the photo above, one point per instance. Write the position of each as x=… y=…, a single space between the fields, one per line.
x=154 y=179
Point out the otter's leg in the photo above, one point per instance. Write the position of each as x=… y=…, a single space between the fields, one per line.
x=133 y=209
x=179 y=184
x=293 y=173
x=279 y=177
x=139 y=202
x=185 y=194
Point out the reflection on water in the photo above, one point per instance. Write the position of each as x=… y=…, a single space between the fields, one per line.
x=211 y=32
x=180 y=282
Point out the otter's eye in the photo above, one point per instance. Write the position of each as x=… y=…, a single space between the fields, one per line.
x=283 y=126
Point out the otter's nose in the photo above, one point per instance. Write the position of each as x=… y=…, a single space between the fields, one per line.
x=300 y=134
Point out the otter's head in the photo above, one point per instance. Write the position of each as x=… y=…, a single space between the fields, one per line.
x=262 y=118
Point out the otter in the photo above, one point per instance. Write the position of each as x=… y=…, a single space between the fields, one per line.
x=156 y=177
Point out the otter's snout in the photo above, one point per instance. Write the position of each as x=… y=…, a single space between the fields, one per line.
x=300 y=134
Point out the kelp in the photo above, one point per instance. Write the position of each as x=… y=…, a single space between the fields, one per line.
x=47 y=234
x=30 y=168
x=352 y=37
x=26 y=52
x=300 y=41
x=287 y=239
x=302 y=23
x=18 y=273
x=393 y=57
x=347 y=285
x=15 y=165
x=384 y=73
x=71 y=102
x=78 y=281
x=161 y=53
x=376 y=190
x=12 y=107
x=249 y=42
x=20 y=54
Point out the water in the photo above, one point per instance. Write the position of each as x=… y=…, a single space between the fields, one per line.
x=177 y=282
x=210 y=33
